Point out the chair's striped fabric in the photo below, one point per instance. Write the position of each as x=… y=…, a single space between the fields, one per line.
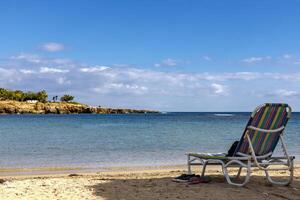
x=269 y=116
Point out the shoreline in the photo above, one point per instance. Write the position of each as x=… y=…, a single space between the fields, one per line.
x=21 y=107
x=45 y=171
x=50 y=171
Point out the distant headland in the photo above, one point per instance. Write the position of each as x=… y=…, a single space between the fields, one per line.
x=19 y=102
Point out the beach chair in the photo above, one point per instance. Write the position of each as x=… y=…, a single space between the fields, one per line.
x=255 y=148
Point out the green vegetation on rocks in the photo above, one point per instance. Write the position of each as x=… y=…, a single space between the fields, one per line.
x=18 y=95
x=67 y=98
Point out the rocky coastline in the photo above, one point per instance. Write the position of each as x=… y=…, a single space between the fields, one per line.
x=17 y=107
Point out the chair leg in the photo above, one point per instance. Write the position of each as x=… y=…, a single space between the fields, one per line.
x=247 y=178
x=203 y=168
x=189 y=164
x=284 y=183
x=239 y=172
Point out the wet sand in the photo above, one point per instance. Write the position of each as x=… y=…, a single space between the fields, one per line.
x=140 y=183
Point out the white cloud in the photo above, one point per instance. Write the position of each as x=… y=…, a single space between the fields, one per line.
x=285 y=93
x=252 y=59
x=127 y=86
x=61 y=61
x=296 y=62
x=121 y=65
x=62 y=81
x=121 y=88
x=53 y=47
x=268 y=57
x=219 y=89
x=256 y=59
x=207 y=58
x=32 y=58
x=29 y=59
x=8 y=77
x=287 y=56
x=167 y=62
x=94 y=69
x=230 y=76
x=27 y=71
x=52 y=70
x=7 y=72
x=170 y=62
x=289 y=59
x=138 y=87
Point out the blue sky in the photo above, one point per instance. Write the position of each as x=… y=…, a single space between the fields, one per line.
x=168 y=55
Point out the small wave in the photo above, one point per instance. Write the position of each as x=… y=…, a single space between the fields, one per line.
x=223 y=114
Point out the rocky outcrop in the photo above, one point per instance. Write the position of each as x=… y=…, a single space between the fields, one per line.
x=16 y=107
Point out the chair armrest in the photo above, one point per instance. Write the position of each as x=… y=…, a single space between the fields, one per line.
x=266 y=130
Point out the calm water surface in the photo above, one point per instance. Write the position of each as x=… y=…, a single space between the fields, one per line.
x=121 y=140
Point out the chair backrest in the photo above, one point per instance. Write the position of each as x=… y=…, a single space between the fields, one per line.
x=267 y=116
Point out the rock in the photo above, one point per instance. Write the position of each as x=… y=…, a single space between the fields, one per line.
x=72 y=175
x=9 y=109
x=16 y=107
x=49 y=109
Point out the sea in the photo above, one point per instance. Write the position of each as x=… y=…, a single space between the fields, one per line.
x=122 y=140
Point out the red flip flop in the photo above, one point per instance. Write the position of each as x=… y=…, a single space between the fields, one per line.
x=197 y=180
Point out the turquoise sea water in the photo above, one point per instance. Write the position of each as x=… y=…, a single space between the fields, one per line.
x=121 y=140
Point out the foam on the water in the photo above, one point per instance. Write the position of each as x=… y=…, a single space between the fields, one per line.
x=223 y=114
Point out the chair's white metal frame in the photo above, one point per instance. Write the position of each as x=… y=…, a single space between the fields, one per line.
x=251 y=160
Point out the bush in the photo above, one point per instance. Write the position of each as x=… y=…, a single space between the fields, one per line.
x=67 y=98
x=19 y=95
x=42 y=96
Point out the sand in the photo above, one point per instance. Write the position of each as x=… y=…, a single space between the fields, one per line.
x=142 y=184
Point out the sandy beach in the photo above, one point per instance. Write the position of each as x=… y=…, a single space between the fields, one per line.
x=140 y=183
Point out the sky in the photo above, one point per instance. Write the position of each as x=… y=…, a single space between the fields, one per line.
x=168 y=55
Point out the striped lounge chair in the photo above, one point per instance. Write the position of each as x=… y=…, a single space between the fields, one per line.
x=255 y=148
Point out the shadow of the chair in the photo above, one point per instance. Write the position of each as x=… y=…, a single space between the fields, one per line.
x=164 y=188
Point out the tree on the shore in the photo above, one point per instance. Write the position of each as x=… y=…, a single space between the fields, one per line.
x=67 y=98
x=42 y=96
x=54 y=98
x=19 y=95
